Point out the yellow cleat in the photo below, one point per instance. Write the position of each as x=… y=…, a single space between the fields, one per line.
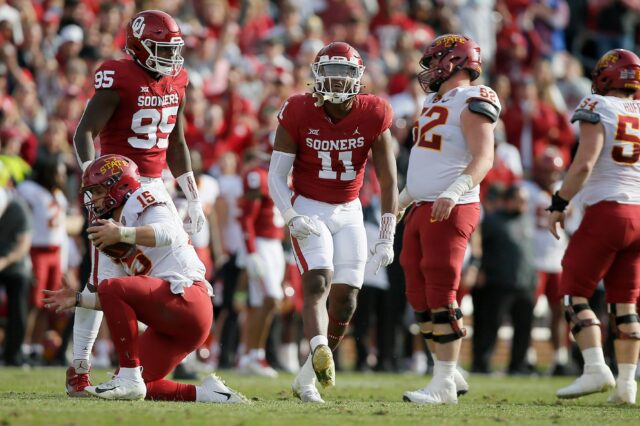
x=325 y=369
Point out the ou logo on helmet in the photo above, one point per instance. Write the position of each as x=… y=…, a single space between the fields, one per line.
x=138 y=26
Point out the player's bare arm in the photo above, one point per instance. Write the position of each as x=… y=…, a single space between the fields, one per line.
x=178 y=158
x=179 y=162
x=284 y=142
x=478 y=134
x=384 y=162
x=96 y=115
x=591 y=143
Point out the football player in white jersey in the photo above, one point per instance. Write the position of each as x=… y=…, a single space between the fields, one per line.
x=160 y=282
x=606 y=171
x=453 y=152
x=547 y=172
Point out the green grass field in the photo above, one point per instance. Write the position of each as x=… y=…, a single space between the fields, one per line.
x=36 y=397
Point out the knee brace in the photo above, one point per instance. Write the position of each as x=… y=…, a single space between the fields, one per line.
x=450 y=316
x=571 y=314
x=424 y=316
x=615 y=321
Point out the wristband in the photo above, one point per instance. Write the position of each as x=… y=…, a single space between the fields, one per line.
x=127 y=234
x=188 y=185
x=87 y=300
x=558 y=204
x=387 y=227
x=289 y=215
x=458 y=188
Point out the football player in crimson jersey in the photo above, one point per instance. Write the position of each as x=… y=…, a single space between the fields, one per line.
x=162 y=284
x=326 y=138
x=453 y=152
x=264 y=262
x=137 y=111
x=606 y=171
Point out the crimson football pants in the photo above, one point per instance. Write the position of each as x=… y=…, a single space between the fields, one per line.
x=177 y=325
x=47 y=271
x=606 y=245
x=433 y=252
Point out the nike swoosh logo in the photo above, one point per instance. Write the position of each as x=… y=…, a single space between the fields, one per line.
x=228 y=395
x=99 y=390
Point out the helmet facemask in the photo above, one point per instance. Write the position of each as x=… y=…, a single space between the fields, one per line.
x=164 y=57
x=338 y=80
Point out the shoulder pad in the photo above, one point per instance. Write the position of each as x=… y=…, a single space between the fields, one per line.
x=586 y=115
x=486 y=108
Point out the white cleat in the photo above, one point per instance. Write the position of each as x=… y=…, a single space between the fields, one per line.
x=260 y=368
x=462 y=386
x=438 y=391
x=596 y=378
x=306 y=393
x=625 y=392
x=216 y=391
x=119 y=388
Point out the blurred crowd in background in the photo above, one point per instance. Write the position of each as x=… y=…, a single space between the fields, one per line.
x=244 y=58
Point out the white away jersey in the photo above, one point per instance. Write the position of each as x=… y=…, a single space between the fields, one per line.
x=440 y=153
x=177 y=263
x=616 y=174
x=548 y=251
x=49 y=213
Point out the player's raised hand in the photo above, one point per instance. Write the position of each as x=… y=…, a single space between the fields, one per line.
x=302 y=226
x=381 y=254
x=441 y=209
x=195 y=217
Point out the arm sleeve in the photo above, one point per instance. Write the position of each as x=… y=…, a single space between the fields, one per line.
x=279 y=168
x=162 y=220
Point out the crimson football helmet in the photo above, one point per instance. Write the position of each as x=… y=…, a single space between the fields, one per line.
x=548 y=166
x=337 y=70
x=446 y=55
x=155 y=42
x=617 y=69
x=119 y=177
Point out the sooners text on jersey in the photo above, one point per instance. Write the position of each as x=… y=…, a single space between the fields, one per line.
x=140 y=126
x=329 y=165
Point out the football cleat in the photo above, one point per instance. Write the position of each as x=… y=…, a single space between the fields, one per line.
x=625 y=392
x=438 y=391
x=323 y=365
x=77 y=382
x=119 y=388
x=306 y=393
x=216 y=391
x=462 y=386
x=596 y=378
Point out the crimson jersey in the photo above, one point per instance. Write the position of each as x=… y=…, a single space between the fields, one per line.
x=331 y=157
x=140 y=126
x=260 y=217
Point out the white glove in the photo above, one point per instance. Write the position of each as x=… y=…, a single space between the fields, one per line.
x=195 y=218
x=382 y=254
x=302 y=226
x=255 y=266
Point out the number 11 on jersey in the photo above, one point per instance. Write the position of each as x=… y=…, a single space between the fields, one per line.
x=327 y=172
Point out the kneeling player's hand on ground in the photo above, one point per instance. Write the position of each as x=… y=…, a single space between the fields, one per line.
x=302 y=226
x=60 y=300
x=104 y=234
x=382 y=254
